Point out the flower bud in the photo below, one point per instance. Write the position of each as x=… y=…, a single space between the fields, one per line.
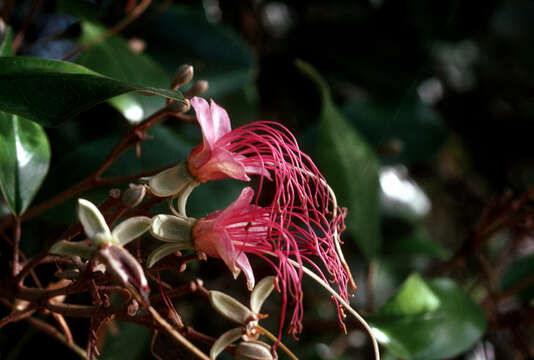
x=126 y=268
x=68 y=248
x=183 y=75
x=179 y=107
x=253 y=350
x=199 y=87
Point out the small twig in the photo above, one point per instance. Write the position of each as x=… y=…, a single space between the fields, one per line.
x=17 y=315
x=64 y=327
x=53 y=332
x=152 y=343
x=134 y=14
x=157 y=317
x=16 y=245
x=20 y=35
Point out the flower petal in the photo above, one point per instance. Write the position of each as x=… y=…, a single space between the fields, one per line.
x=242 y=202
x=221 y=164
x=163 y=251
x=224 y=340
x=243 y=263
x=93 y=222
x=221 y=120
x=230 y=308
x=226 y=251
x=261 y=293
x=173 y=229
x=203 y=111
x=171 y=181
x=131 y=229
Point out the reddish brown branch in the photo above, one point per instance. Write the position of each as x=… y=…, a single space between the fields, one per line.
x=17 y=315
x=20 y=35
x=16 y=245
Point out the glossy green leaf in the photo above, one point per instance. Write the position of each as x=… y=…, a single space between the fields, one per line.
x=350 y=167
x=114 y=58
x=24 y=160
x=517 y=273
x=405 y=303
x=24 y=151
x=429 y=320
x=51 y=92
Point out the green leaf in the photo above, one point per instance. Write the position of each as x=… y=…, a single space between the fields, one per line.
x=517 y=273
x=24 y=160
x=351 y=168
x=51 y=92
x=429 y=320
x=24 y=152
x=405 y=303
x=112 y=57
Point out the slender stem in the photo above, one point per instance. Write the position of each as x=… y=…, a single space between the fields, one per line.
x=134 y=14
x=16 y=245
x=17 y=315
x=53 y=332
x=64 y=327
x=275 y=339
x=157 y=317
x=20 y=35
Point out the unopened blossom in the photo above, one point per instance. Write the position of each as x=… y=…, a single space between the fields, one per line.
x=107 y=246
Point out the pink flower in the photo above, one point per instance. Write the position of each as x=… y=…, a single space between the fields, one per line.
x=301 y=221
x=244 y=228
x=213 y=160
